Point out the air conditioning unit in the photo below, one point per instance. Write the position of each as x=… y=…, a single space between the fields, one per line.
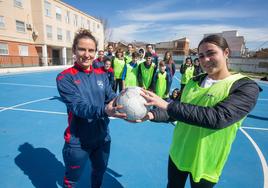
x=29 y=26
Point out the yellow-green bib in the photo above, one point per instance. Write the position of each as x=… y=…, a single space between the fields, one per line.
x=131 y=76
x=201 y=151
x=161 y=85
x=118 y=67
x=189 y=72
x=147 y=75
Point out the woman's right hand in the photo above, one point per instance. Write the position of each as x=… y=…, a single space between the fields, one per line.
x=154 y=100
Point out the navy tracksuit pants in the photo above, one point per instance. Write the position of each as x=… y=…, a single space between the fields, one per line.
x=75 y=159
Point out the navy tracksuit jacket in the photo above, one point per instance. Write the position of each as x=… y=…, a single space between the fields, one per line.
x=84 y=93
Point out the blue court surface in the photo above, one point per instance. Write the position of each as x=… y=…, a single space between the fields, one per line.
x=33 y=120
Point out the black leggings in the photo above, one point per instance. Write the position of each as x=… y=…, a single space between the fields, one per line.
x=177 y=178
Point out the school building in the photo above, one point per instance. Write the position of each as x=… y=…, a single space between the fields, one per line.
x=236 y=43
x=41 y=32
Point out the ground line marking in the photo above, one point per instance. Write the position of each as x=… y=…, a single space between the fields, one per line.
x=27 y=85
x=261 y=156
x=29 y=102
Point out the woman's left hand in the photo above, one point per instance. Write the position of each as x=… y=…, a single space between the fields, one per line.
x=111 y=110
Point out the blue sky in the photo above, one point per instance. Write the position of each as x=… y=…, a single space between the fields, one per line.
x=164 y=20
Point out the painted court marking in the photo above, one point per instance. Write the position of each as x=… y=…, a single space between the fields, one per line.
x=261 y=156
x=29 y=102
x=256 y=128
x=26 y=85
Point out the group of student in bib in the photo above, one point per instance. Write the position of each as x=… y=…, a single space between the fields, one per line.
x=210 y=111
x=137 y=68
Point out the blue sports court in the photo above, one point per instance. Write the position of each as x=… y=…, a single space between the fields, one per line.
x=33 y=120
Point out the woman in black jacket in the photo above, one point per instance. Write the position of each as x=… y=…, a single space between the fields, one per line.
x=212 y=108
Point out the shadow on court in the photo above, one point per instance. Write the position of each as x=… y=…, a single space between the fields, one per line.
x=45 y=170
x=40 y=165
x=57 y=98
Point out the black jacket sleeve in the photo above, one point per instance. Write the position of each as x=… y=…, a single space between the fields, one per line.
x=139 y=76
x=242 y=99
x=183 y=68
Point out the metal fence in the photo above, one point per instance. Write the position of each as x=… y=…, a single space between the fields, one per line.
x=31 y=61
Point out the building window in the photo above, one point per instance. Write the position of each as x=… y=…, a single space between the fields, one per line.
x=82 y=22
x=18 y=3
x=68 y=36
x=75 y=20
x=2 y=22
x=23 y=50
x=47 y=8
x=20 y=26
x=94 y=27
x=58 y=13
x=88 y=24
x=49 y=31
x=3 y=49
x=59 y=34
x=67 y=18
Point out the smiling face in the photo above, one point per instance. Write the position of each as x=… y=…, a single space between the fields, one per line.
x=213 y=59
x=85 y=52
x=107 y=64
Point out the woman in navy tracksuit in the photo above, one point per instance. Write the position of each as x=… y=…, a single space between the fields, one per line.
x=89 y=100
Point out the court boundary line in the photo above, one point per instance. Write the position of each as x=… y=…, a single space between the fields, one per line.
x=177 y=78
x=256 y=128
x=29 y=102
x=27 y=85
x=261 y=156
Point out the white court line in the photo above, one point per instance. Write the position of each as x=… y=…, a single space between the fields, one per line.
x=261 y=156
x=27 y=85
x=29 y=102
x=256 y=128
x=41 y=111
x=177 y=78
x=38 y=111
x=262 y=99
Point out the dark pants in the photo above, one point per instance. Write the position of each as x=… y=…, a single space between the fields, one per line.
x=75 y=159
x=118 y=83
x=177 y=178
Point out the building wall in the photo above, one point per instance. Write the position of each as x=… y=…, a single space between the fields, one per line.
x=235 y=42
x=177 y=47
x=12 y=13
x=249 y=65
x=32 y=13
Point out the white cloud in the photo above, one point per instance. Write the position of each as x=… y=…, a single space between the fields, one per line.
x=159 y=32
x=152 y=23
x=184 y=15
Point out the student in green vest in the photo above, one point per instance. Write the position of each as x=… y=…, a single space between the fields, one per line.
x=212 y=108
x=162 y=81
x=187 y=71
x=141 y=52
x=146 y=71
x=128 y=53
x=118 y=65
x=130 y=72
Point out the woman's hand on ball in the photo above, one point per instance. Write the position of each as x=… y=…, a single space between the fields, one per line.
x=154 y=100
x=112 y=110
x=149 y=116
